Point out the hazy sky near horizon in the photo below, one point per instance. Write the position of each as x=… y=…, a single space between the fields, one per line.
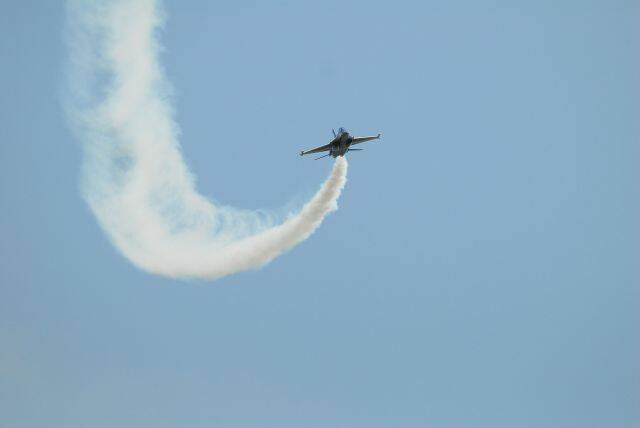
x=481 y=271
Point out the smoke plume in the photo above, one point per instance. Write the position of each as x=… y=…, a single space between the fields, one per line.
x=134 y=177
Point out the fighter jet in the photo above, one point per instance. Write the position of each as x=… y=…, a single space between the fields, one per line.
x=340 y=144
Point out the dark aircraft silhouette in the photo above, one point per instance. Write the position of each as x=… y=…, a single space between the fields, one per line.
x=340 y=144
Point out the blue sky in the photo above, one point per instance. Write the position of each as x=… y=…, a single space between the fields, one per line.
x=482 y=270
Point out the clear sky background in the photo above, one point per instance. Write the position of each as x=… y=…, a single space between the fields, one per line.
x=482 y=270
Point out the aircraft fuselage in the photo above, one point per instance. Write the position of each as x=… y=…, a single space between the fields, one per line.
x=340 y=144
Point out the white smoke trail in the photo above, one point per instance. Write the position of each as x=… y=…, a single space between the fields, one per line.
x=134 y=177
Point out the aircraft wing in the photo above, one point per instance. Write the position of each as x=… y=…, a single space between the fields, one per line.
x=358 y=140
x=317 y=149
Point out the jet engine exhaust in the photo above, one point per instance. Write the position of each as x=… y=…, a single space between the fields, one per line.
x=134 y=177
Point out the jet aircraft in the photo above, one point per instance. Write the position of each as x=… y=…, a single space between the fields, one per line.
x=340 y=145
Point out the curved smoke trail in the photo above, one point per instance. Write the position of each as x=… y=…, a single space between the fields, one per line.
x=134 y=177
